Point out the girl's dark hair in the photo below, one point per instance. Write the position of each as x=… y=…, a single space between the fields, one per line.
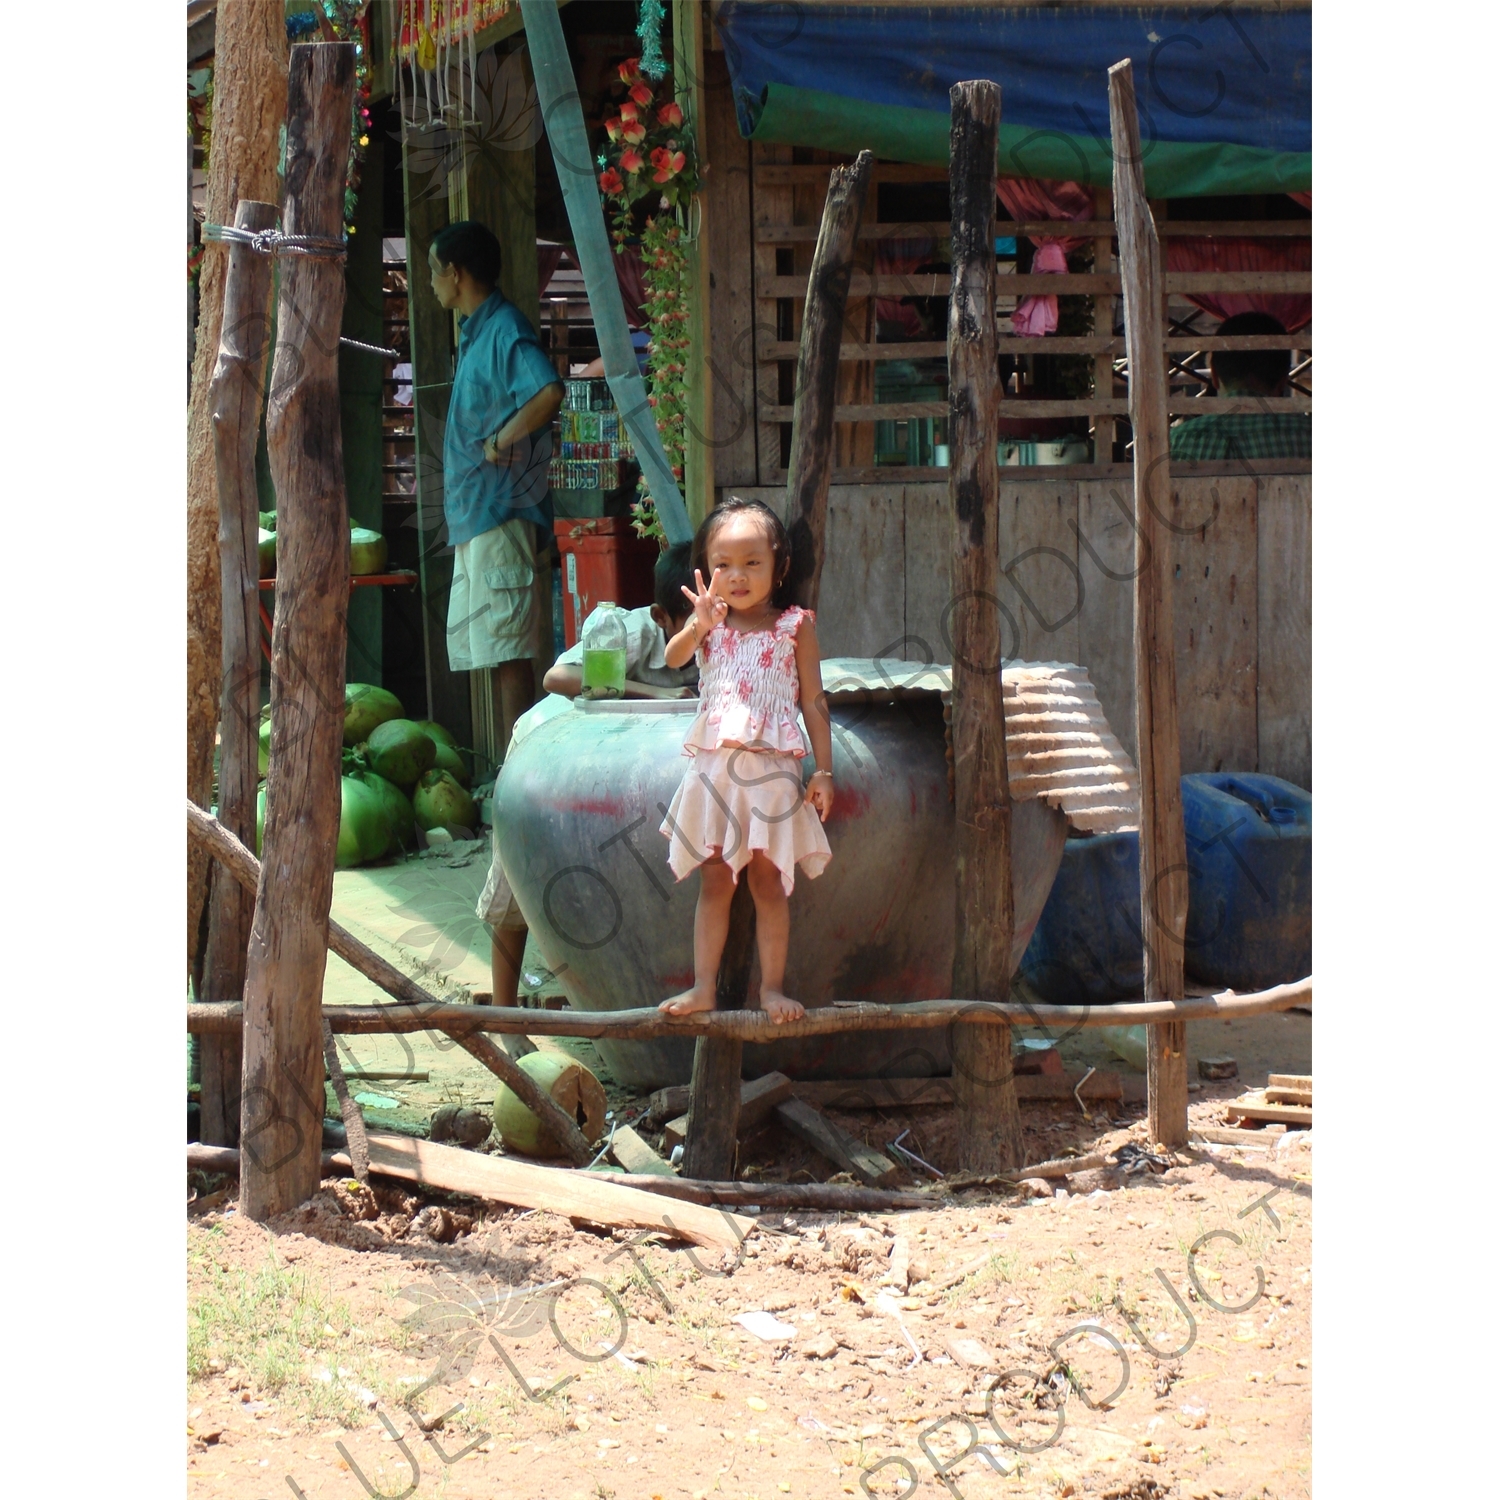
x=674 y=571
x=781 y=543
x=471 y=247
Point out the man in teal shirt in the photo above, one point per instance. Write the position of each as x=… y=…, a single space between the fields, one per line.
x=496 y=449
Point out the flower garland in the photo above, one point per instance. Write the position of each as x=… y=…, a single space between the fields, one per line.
x=647 y=133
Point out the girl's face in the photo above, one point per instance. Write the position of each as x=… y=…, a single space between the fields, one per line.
x=741 y=551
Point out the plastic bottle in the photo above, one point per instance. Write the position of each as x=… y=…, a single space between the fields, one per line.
x=604 y=652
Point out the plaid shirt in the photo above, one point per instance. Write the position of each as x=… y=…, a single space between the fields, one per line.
x=1281 y=434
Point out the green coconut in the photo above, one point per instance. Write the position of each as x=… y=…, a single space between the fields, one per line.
x=399 y=751
x=367 y=551
x=440 y=802
x=574 y=1088
x=364 y=827
x=267 y=553
x=264 y=752
x=268 y=520
x=397 y=807
x=435 y=731
x=449 y=760
x=366 y=708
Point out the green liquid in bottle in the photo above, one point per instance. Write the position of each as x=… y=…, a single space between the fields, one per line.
x=603 y=673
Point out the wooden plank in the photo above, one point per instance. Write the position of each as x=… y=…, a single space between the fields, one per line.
x=927 y=546
x=771 y=203
x=559 y=1190
x=1039 y=585
x=731 y=305
x=872 y=1167
x=1104 y=323
x=1106 y=565
x=1083 y=343
x=1176 y=406
x=863 y=612
x=911 y=475
x=758 y=1097
x=1252 y=1107
x=1284 y=628
x=989 y=1120
x=634 y=1155
x=1067 y=284
x=1289 y=1096
x=1290 y=1081
x=818 y=377
x=1163 y=859
x=1214 y=609
x=1257 y=1140
x=281 y=1108
x=1264 y=229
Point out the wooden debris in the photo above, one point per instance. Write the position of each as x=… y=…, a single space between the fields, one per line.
x=1254 y=1106
x=758 y=1097
x=635 y=1155
x=1259 y=1140
x=841 y=1148
x=1289 y=1088
x=914 y=1093
x=836 y=1196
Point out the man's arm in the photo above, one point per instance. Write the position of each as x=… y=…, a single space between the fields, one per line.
x=536 y=414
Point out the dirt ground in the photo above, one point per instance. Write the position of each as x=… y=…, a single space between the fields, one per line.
x=897 y=1344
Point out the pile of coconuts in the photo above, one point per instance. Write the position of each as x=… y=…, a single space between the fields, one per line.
x=399 y=776
x=368 y=550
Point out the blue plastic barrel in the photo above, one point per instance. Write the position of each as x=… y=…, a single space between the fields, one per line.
x=1249 y=847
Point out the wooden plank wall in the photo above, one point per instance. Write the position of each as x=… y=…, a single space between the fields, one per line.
x=1243 y=606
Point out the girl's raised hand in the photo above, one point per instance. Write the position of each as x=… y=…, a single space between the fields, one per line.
x=708 y=608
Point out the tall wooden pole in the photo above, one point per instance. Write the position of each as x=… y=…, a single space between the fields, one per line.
x=984 y=1089
x=281 y=1108
x=1163 y=845
x=811 y=463
x=714 y=1096
x=235 y=398
x=249 y=108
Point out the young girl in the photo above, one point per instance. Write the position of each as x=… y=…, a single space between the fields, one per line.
x=741 y=804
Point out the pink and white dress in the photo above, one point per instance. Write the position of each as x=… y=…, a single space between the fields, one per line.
x=744 y=789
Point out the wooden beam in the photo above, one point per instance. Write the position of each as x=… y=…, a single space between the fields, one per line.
x=1068 y=283
x=1163 y=856
x=234 y=397
x=834 y=1196
x=230 y=854
x=756 y=1026
x=281 y=1107
x=758 y=1097
x=983 y=1086
x=698 y=455
x=1177 y=406
x=1085 y=343
x=817 y=376
x=1261 y=229
x=847 y=1152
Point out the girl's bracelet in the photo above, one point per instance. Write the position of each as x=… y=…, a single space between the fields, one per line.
x=828 y=774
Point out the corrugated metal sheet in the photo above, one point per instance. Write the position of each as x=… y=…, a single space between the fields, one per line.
x=1061 y=748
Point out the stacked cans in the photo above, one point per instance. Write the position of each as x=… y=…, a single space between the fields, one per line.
x=591 y=440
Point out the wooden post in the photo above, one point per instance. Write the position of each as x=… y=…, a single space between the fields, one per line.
x=234 y=399
x=281 y=1107
x=1104 y=323
x=1163 y=845
x=817 y=374
x=984 y=1089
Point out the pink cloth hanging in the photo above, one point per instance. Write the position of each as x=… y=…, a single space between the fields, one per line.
x=1293 y=310
x=548 y=258
x=892 y=257
x=1035 y=198
x=1305 y=199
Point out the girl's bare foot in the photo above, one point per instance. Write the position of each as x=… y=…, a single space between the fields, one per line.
x=779 y=1007
x=688 y=1002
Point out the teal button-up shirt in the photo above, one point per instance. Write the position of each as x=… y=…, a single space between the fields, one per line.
x=501 y=366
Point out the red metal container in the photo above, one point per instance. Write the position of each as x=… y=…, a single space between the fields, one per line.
x=602 y=559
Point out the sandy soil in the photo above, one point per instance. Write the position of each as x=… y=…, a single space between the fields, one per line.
x=308 y=1340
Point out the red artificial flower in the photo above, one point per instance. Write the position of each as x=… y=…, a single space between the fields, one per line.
x=611 y=181
x=633 y=132
x=667 y=163
x=614 y=127
x=630 y=70
x=670 y=114
x=631 y=160
x=641 y=93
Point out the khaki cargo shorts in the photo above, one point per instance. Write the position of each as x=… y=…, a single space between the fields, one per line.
x=494 y=606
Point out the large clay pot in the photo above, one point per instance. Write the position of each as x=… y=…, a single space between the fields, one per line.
x=579 y=806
